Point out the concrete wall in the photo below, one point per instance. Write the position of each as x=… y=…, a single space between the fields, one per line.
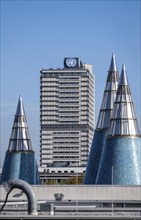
x=81 y=192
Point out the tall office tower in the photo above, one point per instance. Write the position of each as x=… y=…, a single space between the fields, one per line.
x=67 y=114
x=102 y=124
x=121 y=158
x=20 y=160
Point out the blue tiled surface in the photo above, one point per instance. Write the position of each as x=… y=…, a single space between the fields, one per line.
x=123 y=156
x=94 y=156
x=20 y=165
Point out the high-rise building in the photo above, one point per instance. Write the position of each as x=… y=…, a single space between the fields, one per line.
x=66 y=114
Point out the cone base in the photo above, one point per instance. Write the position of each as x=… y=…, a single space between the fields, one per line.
x=20 y=165
x=121 y=162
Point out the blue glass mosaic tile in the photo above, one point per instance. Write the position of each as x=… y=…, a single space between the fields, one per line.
x=20 y=165
x=121 y=161
x=95 y=156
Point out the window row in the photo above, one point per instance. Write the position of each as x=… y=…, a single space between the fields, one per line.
x=50 y=108
x=69 y=79
x=51 y=98
x=49 y=93
x=45 y=79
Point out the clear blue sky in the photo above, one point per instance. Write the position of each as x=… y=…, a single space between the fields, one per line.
x=39 y=34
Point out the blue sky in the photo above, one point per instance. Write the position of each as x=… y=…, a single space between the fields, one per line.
x=39 y=34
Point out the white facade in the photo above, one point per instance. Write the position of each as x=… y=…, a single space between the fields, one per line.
x=66 y=115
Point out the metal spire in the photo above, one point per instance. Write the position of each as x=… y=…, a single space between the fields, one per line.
x=109 y=96
x=113 y=66
x=20 y=107
x=124 y=121
x=101 y=131
x=20 y=139
x=20 y=160
x=123 y=77
x=121 y=157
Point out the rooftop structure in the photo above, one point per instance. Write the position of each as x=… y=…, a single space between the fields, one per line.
x=20 y=160
x=75 y=202
x=103 y=123
x=121 y=157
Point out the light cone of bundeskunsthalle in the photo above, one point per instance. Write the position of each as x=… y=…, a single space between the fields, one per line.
x=121 y=157
x=20 y=160
x=102 y=124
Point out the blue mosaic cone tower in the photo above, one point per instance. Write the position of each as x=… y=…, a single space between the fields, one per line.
x=121 y=157
x=102 y=124
x=20 y=160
